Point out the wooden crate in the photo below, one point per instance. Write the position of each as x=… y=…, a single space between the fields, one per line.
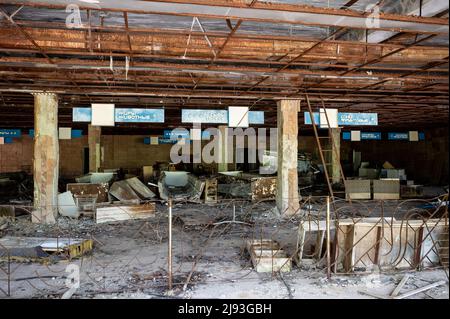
x=358 y=189
x=267 y=256
x=211 y=191
x=386 y=189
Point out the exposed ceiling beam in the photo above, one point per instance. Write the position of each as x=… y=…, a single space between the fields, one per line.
x=262 y=12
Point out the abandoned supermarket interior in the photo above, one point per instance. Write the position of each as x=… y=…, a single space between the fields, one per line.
x=229 y=149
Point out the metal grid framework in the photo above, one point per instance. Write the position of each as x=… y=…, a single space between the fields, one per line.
x=250 y=53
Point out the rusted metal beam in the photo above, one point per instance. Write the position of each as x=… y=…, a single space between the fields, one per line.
x=263 y=12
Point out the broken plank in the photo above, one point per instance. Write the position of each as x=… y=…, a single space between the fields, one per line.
x=419 y=290
x=121 y=213
x=400 y=285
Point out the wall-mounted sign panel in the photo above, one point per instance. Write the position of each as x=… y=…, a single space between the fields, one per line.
x=395 y=136
x=256 y=117
x=347 y=119
x=358 y=119
x=414 y=136
x=140 y=115
x=376 y=136
x=10 y=133
x=81 y=114
x=204 y=116
x=328 y=118
x=182 y=133
x=217 y=116
x=103 y=114
x=238 y=116
x=122 y=115
x=75 y=133
x=365 y=136
x=176 y=133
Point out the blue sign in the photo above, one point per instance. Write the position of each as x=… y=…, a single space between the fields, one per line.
x=347 y=136
x=182 y=133
x=217 y=116
x=10 y=133
x=139 y=115
x=204 y=116
x=421 y=136
x=256 y=117
x=75 y=133
x=398 y=136
x=84 y=114
x=166 y=141
x=347 y=119
x=176 y=133
x=358 y=119
x=8 y=140
x=371 y=136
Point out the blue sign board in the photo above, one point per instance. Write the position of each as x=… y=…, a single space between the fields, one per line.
x=166 y=141
x=217 y=116
x=371 y=136
x=176 y=133
x=8 y=140
x=183 y=133
x=139 y=115
x=398 y=136
x=358 y=119
x=75 y=133
x=347 y=136
x=421 y=136
x=348 y=119
x=10 y=133
x=256 y=117
x=204 y=116
x=84 y=114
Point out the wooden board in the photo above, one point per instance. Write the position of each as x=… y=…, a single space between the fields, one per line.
x=386 y=189
x=101 y=190
x=121 y=213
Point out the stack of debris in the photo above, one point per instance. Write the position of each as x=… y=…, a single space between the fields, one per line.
x=45 y=250
x=249 y=186
x=107 y=198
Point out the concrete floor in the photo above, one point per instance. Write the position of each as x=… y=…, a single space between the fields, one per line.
x=129 y=260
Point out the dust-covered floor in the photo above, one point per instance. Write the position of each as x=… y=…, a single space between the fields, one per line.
x=129 y=260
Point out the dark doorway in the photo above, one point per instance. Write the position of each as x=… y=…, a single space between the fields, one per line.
x=86 y=160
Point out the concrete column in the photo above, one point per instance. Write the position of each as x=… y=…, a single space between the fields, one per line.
x=223 y=149
x=336 y=155
x=287 y=181
x=46 y=158
x=94 y=137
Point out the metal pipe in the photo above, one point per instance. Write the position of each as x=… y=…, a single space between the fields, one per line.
x=328 y=239
x=169 y=272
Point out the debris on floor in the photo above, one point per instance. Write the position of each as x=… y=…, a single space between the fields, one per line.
x=101 y=190
x=42 y=249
